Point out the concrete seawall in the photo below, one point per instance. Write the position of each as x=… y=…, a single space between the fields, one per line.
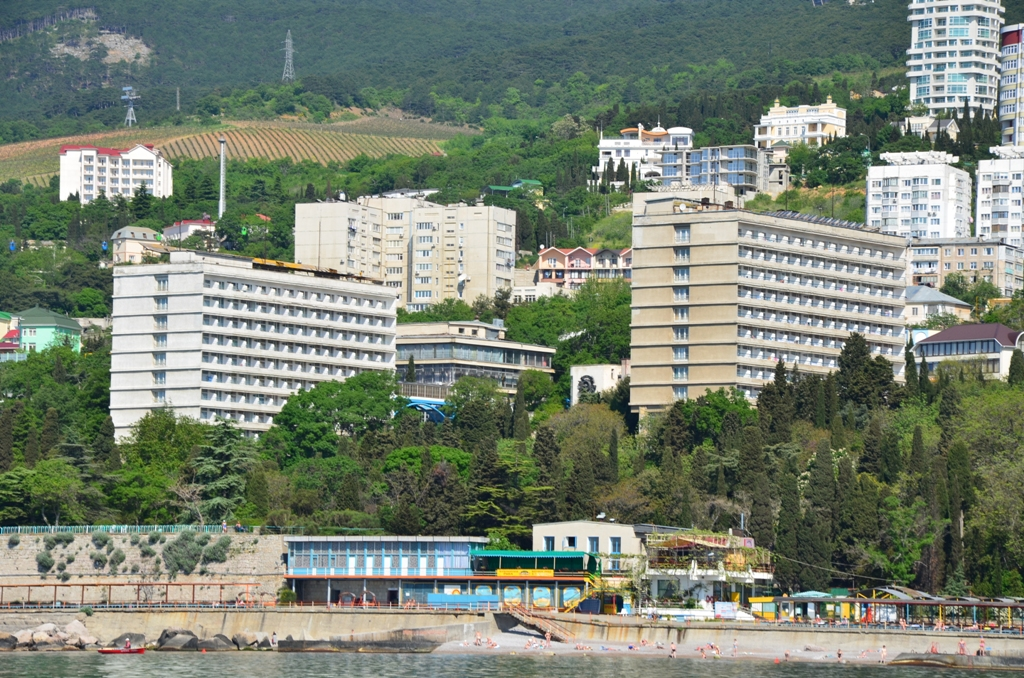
x=765 y=637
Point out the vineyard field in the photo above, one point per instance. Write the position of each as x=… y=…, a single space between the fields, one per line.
x=379 y=126
x=36 y=161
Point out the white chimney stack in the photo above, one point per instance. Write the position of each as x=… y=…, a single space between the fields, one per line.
x=223 y=198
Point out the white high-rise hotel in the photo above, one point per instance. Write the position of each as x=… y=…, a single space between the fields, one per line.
x=91 y=171
x=954 y=54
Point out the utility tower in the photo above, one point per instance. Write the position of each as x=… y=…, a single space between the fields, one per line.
x=289 y=68
x=129 y=97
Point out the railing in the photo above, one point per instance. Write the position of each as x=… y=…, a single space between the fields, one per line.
x=143 y=529
x=432 y=391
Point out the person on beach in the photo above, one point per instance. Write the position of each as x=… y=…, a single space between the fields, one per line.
x=735 y=647
x=672 y=651
x=839 y=654
x=787 y=655
x=981 y=647
x=477 y=639
x=702 y=655
x=961 y=647
x=882 y=659
x=547 y=640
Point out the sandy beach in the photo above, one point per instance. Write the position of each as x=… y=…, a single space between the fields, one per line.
x=525 y=642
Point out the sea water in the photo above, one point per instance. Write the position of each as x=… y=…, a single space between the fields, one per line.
x=311 y=665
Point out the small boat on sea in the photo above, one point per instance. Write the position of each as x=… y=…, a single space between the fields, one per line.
x=122 y=650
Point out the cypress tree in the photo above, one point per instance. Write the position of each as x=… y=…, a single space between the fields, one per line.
x=547 y=453
x=257 y=491
x=820 y=407
x=103 y=448
x=6 y=440
x=838 y=440
x=721 y=486
x=520 y=417
x=949 y=412
x=699 y=470
x=31 y=448
x=410 y=370
x=579 y=491
x=1016 y=376
x=751 y=458
x=871 y=457
x=917 y=464
x=613 y=457
x=816 y=550
x=892 y=459
x=51 y=432
x=507 y=418
x=821 y=486
x=913 y=384
x=925 y=383
x=761 y=526
x=60 y=375
x=787 y=549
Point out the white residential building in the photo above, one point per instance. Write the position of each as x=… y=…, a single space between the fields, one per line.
x=919 y=195
x=1011 y=85
x=954 y=54
x=425 y=252
x=210 y=335
x=88 y=171
x=784 y=127
x=1000 y=186
x=657 y=153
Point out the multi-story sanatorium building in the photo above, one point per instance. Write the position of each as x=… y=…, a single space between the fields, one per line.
x=919 y=195
x=721 y=295
x=977 y=259
x=745 y=167
x=1011 y=85
x=211 y=335
x=89 y=171
x=954 y=54
x=1000 y=186
x=783 y=127
x=425 y=252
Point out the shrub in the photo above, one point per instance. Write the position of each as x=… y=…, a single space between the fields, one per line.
x=100 y=539
x=44 y=561
x=13 y=541
x=217 y=553
x=86 y=610
x=147 y=551
x=49 y=542
x=61 y=566
x=64 y=576
x=203 y=539
x=286 y=595
x=65 y=539
x=70 y=558
x=110 y=548
x=135 y=540
x=99 y=559
x=154 y=537
x=116 y=558
x=135 y=568
x=182 y=554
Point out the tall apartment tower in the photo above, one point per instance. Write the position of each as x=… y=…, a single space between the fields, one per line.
x=215 y=336
x=1011 y=85
x=721 y=295
x=425 y=252
x=954 y=54
x=1000 y=195
x=919 y=195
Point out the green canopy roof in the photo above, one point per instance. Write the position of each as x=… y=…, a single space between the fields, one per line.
x=41 y=317
x=527 y=554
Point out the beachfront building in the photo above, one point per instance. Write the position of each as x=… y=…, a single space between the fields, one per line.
x=985 y=347
x=593 y=380
x=976 y=259
x=569 y=268
x=720 y=295
x=924 y=302
x=919 y=195
x=444 y=352
x=425 y=252
x=1000 y=191
x=941 y=78
x=216 y=336
x=1011 y=85
x=41 y=328
x=90 y=171
x=783 y=127
x=657 y=154
x=448 y=572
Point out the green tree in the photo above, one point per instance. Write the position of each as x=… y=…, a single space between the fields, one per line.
x=55 y=491
x=6 y=439
x=104 y=449
x=410 y=370
x=50 y=435
x=31 y=452
x=520 y=416
x=910 y=377
x=908 y=531
x=1016 y=376
x=956 y=285
x=925 y=386
x=613 y=457
x=219 y=472
x=787 y=532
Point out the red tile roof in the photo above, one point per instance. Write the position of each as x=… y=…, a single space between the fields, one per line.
x=1001 y=333
x=99 y=149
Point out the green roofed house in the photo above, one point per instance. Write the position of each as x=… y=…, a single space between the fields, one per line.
x=528 y=185
x=41 y=328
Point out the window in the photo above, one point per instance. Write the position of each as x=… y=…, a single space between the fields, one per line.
x=680 y=373
x=425 y=240
x=161 y=303
x=159 y=358
x=424 y=254
x=161 y=283
x=395 y=257
x=423 y=294
x=424 y=226
x=679 y=392
x=681 y=353
x=681 y=294
x=681 y=274
x=615 y=549
x=160 y=340
x=593 y=544
x=159 y=378
x=394 y=216
x=160 y=396
x=682 y=234
x=161 y=322
x=681 y=333
x=549 y=543
x=570 y=543
x=681 y=315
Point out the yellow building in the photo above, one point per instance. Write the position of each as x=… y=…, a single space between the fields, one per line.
x=783 y=126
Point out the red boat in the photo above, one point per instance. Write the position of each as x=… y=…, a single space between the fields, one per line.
x=122 y=650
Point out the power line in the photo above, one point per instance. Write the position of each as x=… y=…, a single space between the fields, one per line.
x=832 y=569
x=130 y=97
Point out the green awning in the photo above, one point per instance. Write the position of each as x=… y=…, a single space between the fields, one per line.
x=526 y=554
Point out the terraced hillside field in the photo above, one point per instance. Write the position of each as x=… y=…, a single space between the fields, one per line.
x=36 y=161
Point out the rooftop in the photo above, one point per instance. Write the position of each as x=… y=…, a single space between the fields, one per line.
x=41 y=317
x=1001 y=333
x=922 y=294
x=391 y=538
